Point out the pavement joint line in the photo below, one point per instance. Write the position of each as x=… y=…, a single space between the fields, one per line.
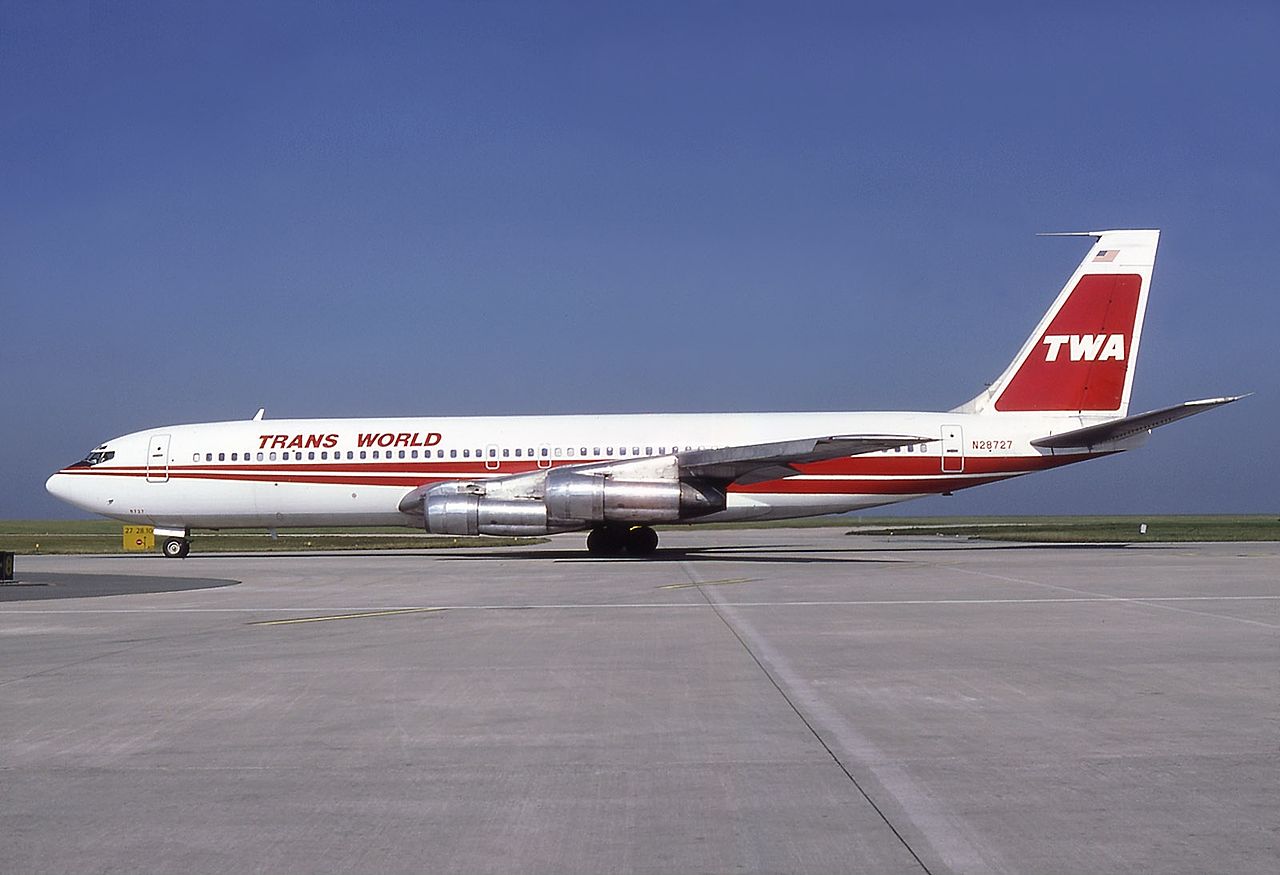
x=770 y=663
x=1101 y=599
x=396 y=612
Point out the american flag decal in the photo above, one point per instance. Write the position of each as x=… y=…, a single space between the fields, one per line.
x=1106 y=255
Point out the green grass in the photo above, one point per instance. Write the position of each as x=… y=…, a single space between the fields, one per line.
x=30 y=537
x=104 y=536
x=1082 y=529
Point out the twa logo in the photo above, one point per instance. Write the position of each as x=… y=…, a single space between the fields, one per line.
x=1085 y=347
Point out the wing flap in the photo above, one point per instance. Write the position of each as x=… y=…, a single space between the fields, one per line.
x=755 y=463
x=1130 y=426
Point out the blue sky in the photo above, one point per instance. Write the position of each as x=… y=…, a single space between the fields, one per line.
x=395 y=209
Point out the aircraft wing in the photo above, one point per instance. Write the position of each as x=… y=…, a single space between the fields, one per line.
x=756 y=463
x=1129 y=426
x=750 y=463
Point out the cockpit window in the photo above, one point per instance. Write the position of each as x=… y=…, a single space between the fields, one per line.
x=97 y=457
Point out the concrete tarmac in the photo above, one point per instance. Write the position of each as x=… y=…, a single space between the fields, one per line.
x=774 y=700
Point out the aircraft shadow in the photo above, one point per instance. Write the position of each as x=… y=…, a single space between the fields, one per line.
x=42 y=586
x=752 y=553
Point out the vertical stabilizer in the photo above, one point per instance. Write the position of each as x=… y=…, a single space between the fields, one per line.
x=1081 y=357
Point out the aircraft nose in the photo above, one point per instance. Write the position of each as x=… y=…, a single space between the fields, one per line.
x=58 y=487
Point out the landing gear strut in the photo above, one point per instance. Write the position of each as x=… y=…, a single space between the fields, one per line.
x=175 y=548
x=616 y=541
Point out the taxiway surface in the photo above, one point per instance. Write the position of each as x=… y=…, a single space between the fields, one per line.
x=776 y=700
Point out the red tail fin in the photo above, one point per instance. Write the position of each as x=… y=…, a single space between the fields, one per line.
x=1081 y=356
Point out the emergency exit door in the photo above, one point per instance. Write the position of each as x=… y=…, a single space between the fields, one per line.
x=158 y=459
x=952 y=449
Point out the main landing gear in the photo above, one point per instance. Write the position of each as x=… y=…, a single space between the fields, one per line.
x=618 y=541
x=175 y=548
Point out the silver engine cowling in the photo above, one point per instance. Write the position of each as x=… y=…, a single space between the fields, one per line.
x=562 y=500
x=460 y=514
x=595 y=497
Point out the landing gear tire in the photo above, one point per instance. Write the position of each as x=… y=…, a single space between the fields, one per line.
x=175 y=548
x=641 y=541
x=615 y=541
x=606 y=541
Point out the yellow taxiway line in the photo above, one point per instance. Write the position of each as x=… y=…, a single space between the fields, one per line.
x=345 y=616
x=709 y=583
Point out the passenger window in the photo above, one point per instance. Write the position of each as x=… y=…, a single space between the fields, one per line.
x=544 y=451
x=558 y=451
x=622 y=451
x=453 y=454
x=196 y=457
x=635 y=451
x=506 y=454
x=466 y=454
x=208 y=457
x=350 y=455
x=324 y=455
x=273 y=457
x=608 y=451
x=517 y=452
x=648 y=451
x=311 y=455
x=414 y=454
x=259 y=457
x=439 y=454
x=911 y=448
x=363 y=454
x=375 y=454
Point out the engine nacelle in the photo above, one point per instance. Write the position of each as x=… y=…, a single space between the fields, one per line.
x=595 y=497
x=467 y=514
x=561 y=500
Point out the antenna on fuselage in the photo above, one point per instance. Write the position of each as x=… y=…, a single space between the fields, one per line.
x=262 y=411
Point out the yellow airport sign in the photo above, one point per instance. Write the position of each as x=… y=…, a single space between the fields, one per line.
x=139 y=538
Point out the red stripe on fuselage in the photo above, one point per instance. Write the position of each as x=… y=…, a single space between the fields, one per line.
x=894 y=475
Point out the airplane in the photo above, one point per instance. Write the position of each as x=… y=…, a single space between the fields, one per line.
x=1063 y=399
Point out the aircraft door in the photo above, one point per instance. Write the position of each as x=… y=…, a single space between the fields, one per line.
x=952 y=449
x=158 y=459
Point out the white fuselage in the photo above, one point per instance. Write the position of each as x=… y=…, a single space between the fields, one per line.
x=354 y=472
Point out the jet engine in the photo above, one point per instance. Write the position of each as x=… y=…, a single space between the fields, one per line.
x=640 y=491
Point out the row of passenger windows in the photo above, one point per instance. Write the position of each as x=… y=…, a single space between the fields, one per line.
x=490 y=453
x=910 y=448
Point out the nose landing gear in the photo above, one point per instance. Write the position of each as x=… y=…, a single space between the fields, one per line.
x=618 y=541
x=175 y=548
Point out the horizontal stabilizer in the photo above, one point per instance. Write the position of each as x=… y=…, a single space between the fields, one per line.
x=1129 y=426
